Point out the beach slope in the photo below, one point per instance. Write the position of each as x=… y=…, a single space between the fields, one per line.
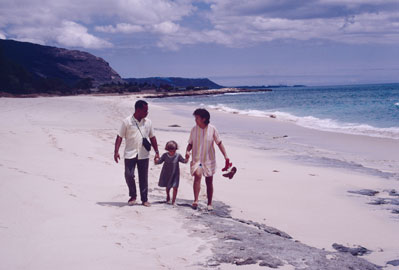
x=63 y=200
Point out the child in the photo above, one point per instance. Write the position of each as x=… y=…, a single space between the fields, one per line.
x=170 y=174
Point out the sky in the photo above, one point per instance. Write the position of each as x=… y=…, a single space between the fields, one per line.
x=232 y=42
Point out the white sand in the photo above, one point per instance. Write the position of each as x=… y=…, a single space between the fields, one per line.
x=63 y=198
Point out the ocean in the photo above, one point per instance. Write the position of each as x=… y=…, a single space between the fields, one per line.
x=371 y=110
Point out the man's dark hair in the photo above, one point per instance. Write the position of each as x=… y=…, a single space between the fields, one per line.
x=203 y=114
x=140 y=104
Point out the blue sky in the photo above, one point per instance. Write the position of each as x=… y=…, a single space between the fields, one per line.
x=313 y=42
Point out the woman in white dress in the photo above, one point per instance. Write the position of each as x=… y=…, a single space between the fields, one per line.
x=203 y=136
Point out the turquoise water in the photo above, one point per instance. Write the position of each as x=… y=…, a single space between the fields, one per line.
x=371 y=110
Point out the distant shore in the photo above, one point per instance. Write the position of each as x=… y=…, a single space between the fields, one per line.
x=204 y=92
x=148 y=93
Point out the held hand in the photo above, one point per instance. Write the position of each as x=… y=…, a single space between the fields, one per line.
x=156 y=157
x=187 y=156
x=116 y=157
x=227 y=165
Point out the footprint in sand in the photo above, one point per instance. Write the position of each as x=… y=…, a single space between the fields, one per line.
x=18 y=170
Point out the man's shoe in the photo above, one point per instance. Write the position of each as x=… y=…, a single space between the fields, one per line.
x=131 y=201
x=146 y=204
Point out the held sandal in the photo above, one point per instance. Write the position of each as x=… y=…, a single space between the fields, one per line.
x=231 y=173
x=227 y=165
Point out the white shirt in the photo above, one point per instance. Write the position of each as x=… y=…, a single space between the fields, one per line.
x=133 y=139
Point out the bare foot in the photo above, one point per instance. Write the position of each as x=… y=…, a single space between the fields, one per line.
x=194 y=205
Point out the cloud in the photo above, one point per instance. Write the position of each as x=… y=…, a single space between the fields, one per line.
x=301 y=9
x=68 y=22
x=151 y=12
x=251 y=22
x=68 y=34
x=125 y=28
x=72 y=34
x=171 y=24
x=166 y=28
x=244 y=24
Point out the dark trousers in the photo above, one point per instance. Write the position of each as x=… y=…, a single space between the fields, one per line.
x=142 y=167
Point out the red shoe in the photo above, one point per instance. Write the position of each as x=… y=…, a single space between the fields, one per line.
x=227 y=166
x=231 y=173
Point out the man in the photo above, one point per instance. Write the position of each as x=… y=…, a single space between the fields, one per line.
x=133 y=130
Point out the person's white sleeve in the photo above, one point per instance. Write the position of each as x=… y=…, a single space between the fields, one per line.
x=190 y=140
x=122 y=130
x=151 y=132
x=216 y=137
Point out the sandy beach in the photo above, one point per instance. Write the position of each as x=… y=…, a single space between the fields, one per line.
x=63 y=198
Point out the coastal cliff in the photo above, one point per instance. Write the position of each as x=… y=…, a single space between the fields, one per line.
x=31 y=68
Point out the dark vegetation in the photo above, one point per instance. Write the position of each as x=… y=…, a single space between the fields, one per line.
x=27 y=68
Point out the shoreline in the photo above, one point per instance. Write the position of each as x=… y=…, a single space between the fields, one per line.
x=145 y=93
x=312 y=189
x=291 y=139
x=78 y=206
x=327 y=123
x=205 y=92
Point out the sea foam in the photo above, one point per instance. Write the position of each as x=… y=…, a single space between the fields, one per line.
x=316 y=123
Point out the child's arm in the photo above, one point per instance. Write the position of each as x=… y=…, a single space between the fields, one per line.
x=188 y=149
x=158 y=161
x=183 y=160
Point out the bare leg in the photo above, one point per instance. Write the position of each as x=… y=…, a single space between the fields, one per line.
x=197 y=185
x=167 y=195
x=174 y=195
x=209 y=188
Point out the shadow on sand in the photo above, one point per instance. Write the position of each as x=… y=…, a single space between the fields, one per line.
x=123 y=204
